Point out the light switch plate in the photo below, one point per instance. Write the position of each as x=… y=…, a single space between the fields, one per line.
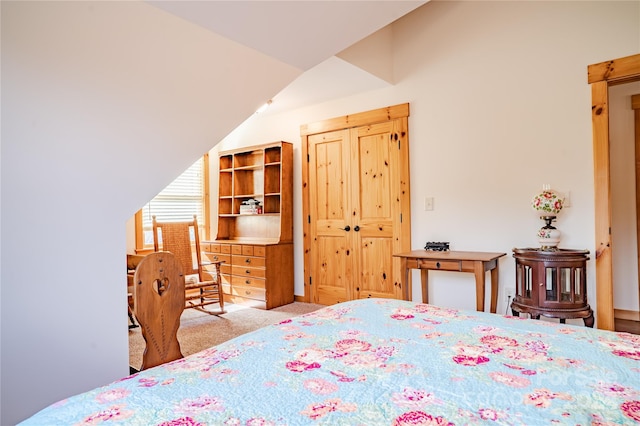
x=428 y=203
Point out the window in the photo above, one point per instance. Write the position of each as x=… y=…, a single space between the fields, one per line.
x=179 y=201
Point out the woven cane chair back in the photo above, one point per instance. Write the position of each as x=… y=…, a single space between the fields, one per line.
x=176 y=238
x=183 y=240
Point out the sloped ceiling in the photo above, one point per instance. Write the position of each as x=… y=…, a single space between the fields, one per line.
x=304 y=34
x=299 y=33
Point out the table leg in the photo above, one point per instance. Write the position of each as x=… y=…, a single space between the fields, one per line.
x=588 y=321
x=405 y=278
x=494 y=288
x=424 y=278
x=478 y=269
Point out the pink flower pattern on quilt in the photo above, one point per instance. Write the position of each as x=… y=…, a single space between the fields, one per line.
x=381 y=361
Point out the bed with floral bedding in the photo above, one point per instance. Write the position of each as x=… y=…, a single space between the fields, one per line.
x=382 y=362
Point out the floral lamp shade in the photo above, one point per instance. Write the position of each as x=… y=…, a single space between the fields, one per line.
x=548 y=204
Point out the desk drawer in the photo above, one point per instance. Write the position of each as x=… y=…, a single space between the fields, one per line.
x=237 y=248
x=444 y=265
x=225 y=279
x=248 y=292
x=256 y=262
x=211 y=276
x=243 y=249
x=210 y=247
x=214 y=257
x=248 y=272
x=247 y=282
x=225 y=268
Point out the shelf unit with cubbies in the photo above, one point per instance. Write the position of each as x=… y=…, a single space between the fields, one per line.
x=257 y=247
x=262 y=173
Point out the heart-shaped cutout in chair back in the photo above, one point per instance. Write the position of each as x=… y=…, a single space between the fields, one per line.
x=161 y=285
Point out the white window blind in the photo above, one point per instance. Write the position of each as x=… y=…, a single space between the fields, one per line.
x=179 y=201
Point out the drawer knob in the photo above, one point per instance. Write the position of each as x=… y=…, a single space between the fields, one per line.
x=247 y=282
x=247 y=260
x=247 y=292
x=248 y=271
x=438 y=265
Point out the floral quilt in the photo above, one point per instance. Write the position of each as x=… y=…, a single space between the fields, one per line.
x=382 y=362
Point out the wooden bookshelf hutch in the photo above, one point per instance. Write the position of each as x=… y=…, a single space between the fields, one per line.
x=256 y=247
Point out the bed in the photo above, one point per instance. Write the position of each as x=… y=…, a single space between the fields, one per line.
x=380 y=361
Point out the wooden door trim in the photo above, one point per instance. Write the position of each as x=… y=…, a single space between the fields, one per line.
x=615 y=71
x=635 y=106
x=356 y=120
x=601 y=76
x=337 y=123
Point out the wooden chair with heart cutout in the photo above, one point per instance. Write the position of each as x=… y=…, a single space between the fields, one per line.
x=159 y=301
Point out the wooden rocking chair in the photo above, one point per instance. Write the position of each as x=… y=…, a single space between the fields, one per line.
x=158 y=291
x=182 y=239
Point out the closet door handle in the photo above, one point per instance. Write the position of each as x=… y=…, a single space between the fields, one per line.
x=346 y=228
x=356 y=228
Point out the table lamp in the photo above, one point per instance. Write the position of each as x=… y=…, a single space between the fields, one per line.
x=548 y=204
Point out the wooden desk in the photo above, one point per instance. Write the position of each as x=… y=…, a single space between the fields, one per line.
x=456 y=261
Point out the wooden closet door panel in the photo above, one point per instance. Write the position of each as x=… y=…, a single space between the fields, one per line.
x=328 y=174
x=328 y=217
x=372 y=146
x=376 y=265
x=332 y=279
x=373 y=209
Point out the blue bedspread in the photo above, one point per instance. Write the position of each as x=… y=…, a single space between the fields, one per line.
x=386 y=362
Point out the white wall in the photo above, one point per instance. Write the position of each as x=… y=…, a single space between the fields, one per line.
x=500 y=105
x=623 y=196
x=103 y=104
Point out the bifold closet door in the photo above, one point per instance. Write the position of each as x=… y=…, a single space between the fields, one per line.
x=356 y=178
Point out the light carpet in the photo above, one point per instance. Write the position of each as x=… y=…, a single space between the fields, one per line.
x=199 y=330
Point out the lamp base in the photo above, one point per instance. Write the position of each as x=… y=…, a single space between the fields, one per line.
x=548 y=235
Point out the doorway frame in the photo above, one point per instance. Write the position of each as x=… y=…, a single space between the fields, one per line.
x=601 y=76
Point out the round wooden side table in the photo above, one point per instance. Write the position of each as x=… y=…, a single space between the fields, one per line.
x=552 y=283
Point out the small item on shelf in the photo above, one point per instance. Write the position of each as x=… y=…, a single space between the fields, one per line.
x=437 y=246
x=250 y=206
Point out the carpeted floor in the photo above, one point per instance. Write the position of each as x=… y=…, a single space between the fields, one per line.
x=199 y=331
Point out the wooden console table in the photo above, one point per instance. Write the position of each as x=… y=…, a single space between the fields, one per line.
x=456 y=261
